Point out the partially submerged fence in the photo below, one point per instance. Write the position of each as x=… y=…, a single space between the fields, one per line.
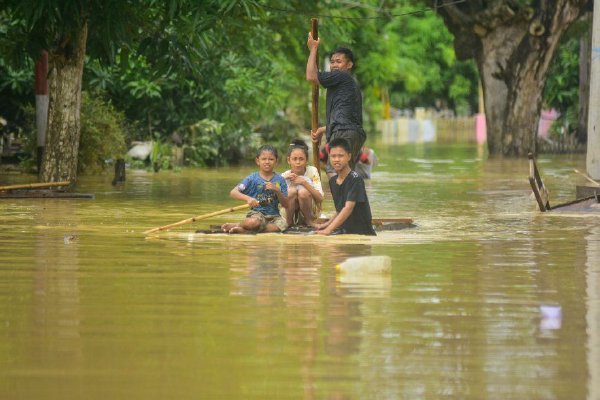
x=471 y=129
x=440 y=130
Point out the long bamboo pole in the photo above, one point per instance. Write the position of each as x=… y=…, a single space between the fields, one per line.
x=314 y=22
x=35 y=185
x=198 y=218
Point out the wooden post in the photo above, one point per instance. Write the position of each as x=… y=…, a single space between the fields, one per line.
x=314 y=22
x=593 y=137
x=119 y=172
x=41 y=104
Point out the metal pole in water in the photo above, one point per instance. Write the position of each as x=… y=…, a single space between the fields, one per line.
x=593 y=137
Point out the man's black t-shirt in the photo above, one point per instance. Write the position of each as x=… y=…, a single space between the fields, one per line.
x=344 y=101
x=353 y=189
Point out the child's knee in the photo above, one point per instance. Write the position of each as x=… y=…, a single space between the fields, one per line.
x=250 y=224
x=304 y=194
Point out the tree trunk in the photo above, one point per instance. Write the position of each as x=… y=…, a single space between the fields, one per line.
x=514 y=118
x=513 y=48
x=62 y=142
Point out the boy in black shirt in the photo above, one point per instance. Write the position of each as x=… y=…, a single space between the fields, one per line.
x=349 y=195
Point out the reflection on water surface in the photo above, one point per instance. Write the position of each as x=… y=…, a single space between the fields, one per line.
x=89 y=308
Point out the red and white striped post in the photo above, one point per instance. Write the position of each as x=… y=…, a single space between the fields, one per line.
x=41 y=104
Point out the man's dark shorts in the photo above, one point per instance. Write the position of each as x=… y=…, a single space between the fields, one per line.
x=355 y=138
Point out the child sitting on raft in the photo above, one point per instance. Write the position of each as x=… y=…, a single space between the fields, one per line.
x=263 y=191
x=349 y=195
x=305 y=192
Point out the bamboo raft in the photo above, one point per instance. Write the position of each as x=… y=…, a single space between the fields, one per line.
x=379 y=225
x=585 y=204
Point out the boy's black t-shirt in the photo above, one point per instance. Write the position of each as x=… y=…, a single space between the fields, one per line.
x=344 y=101
x=353 y=189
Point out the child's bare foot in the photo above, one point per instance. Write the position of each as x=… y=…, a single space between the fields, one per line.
x=227 y=227
x=312 y=224
x=237 y=229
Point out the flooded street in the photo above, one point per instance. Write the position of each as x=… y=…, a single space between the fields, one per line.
x=90 y=308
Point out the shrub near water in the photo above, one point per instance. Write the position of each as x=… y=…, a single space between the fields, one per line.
x=102 y=134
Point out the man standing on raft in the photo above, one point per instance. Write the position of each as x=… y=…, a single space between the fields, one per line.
x=344 y=100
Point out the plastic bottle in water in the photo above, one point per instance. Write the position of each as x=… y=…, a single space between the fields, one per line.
x=365 y=265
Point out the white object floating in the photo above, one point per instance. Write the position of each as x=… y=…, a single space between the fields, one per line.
x=365 y=265
x=548 y=311
x=551 y=317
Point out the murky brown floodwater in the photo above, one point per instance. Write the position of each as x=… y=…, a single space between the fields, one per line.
x=109 y=314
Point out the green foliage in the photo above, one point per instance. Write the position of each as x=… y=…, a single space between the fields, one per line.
x=161 y=156
x=410 y=54
x=201 y=142
x=138 y=90
x=15 y=93
x=230 y=74
x=16 y=79
x=562 y=86
x=28 y=139
x=102 y=134
x=54 y=26
x=204 y=69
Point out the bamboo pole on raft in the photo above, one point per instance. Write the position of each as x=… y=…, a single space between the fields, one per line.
x=198 y=218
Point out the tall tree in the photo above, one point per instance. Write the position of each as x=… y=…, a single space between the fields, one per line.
x=62 y=29
x=512 y=42
x=62 y=138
